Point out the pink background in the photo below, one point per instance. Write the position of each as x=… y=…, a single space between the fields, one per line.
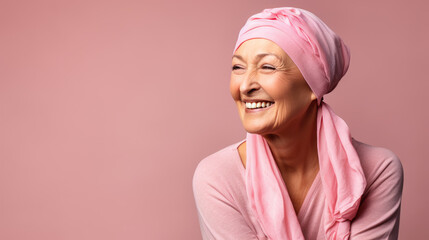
x=106 y=107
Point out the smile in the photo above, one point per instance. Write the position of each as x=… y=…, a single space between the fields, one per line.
x=256 y=105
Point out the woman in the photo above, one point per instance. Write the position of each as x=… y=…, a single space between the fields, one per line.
x=298 y=174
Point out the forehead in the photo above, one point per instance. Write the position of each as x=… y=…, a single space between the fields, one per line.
x=256 y=46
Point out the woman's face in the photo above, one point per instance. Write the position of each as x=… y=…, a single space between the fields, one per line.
x=270 y=92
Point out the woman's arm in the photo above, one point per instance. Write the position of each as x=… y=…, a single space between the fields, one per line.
x=378 y=215
x=218 y=216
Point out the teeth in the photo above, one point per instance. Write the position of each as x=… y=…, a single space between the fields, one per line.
x=255 y=105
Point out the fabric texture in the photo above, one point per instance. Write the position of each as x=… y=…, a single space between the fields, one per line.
x=323 y=59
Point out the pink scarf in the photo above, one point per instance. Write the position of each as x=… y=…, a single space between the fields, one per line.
x=323 y=59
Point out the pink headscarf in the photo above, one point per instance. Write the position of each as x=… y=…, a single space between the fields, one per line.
x=323 y=59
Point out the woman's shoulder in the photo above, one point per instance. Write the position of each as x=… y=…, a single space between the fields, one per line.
x=379 y=210
x=219 y=165
x=379 y=163
x=219 y=177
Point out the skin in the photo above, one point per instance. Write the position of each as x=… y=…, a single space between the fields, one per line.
x=262 y=71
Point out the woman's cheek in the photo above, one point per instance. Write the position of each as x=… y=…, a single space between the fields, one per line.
x=234 y=88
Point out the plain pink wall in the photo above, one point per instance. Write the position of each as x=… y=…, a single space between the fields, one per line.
x=106 y=107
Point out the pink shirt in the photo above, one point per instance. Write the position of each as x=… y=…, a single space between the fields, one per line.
x=224 y=211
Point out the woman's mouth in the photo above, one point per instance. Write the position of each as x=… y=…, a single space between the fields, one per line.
x=257 y=105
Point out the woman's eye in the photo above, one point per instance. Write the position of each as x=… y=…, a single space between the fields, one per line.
x=268 y=67
x=235 y=67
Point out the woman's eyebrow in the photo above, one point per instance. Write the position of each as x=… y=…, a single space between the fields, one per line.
x=238 y=56
x=262 y=55
x=258 y=56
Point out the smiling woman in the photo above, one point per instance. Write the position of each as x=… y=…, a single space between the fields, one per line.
x=298 y=174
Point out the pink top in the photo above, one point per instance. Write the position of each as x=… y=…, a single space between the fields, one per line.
x=224 y=211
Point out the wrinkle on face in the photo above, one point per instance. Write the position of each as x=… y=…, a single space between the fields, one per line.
x=284 y=85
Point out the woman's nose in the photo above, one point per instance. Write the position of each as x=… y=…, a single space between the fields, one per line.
x=249 y=84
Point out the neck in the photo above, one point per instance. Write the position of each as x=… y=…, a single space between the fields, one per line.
x=294 y=148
